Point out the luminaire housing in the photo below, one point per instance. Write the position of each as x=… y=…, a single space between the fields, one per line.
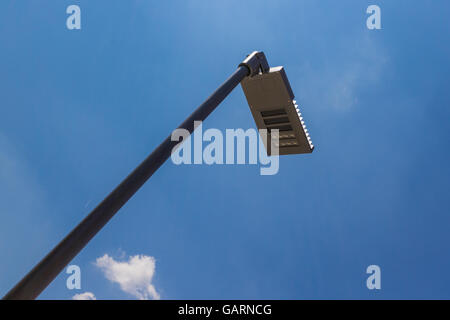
x=271 y=101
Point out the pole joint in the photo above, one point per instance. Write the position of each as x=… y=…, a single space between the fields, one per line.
x=256 y=63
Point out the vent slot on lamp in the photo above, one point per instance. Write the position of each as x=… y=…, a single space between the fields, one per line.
x=271 y=113
x=286 y=127
x=272 y=104
x=276 y=120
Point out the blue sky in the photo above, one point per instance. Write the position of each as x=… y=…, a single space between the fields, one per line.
x=79 y=109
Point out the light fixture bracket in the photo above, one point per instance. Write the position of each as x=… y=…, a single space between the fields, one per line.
x=256 y=63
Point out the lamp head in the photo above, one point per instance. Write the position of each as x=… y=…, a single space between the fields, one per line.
x=271 y=101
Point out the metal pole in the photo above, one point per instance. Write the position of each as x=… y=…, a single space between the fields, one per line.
x=49 y=267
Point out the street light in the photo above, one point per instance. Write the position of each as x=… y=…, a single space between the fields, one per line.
x=255 y=67
x=272 y=104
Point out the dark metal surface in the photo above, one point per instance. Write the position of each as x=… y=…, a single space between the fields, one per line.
x=49 y=267
x=256 y=62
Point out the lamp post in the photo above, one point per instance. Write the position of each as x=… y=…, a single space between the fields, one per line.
x=51 y=265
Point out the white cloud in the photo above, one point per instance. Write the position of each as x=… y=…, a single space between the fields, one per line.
x=84 y=296
x=134 y=276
